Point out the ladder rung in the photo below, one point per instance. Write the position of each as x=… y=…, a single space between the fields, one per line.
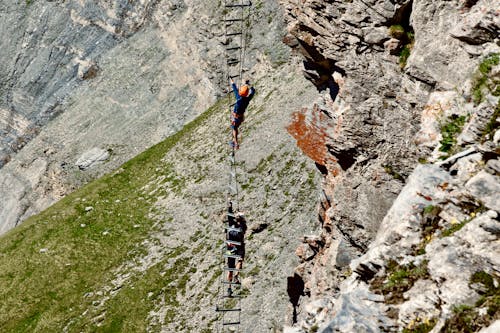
x=233 y=229
x=232 y=296
x=231 y=283
x=231 y=323
x=227 y=310
x=228 y=269
x=234 y=34
x=234 y=48
x=235 y=256
x=234 y=76
x=233 y=20
x=233 y=62
x=232 y=242
x=241 y=5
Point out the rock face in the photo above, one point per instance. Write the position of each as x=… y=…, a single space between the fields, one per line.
x=397 y=82
x=117 y=75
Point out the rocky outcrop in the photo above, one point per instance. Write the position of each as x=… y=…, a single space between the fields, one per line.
x=396 y=81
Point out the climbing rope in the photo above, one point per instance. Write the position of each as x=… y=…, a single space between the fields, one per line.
x=235 y=19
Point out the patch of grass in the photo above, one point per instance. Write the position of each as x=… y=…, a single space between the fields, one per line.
x=450 y=130
x=468 y=318
x=397 y=31
x=404 y=55
x=407 y=39
x=482 y=83
x=420 y=326
x=399 y=279
x=454 y=228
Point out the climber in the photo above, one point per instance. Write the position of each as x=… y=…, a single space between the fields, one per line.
x=243 y=96
x=238 y=227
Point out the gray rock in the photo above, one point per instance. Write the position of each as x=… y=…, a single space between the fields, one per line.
x=91 y=157
x=288 y=329
x=376 y=35
x=355 y=312
x=486 y=188
x=469 y=250
x=493 y=328
x=467 y=166
x=423 y=299
x=392 y=46
x=494 y=166
x=474 y=128
x=496 y=137
x=481 y=26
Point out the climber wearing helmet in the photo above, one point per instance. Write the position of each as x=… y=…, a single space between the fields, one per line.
x=236 y=233
x=243 y=96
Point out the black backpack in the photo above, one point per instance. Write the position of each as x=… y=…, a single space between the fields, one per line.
x=235 y=235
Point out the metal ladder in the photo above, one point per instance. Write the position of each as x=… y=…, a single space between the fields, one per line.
x=236 y=14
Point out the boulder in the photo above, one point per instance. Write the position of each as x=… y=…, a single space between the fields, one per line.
x=91 y=157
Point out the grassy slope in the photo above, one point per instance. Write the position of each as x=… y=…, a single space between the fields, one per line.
x=41 y=291
x=162 y=208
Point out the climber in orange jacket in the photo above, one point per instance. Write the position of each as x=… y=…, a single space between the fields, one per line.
x=243 y=97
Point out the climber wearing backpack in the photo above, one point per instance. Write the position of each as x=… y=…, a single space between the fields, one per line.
x=243 y=96
x=237 y=228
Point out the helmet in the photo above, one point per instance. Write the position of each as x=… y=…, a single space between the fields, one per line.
x=243 y=91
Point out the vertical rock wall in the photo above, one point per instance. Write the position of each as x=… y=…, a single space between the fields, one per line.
x=379 y=67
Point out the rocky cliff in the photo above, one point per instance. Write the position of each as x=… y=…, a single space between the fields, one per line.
x=397 y=82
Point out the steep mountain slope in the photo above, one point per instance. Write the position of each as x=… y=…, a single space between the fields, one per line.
x=139 y=249
x=85 y=86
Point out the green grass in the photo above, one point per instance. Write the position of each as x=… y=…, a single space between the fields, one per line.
x=397 y=31
x=42 y=291
x=454 y=228
x=449 y=131
x=407 y=39
x=399 y=279
x=482 y=83
x=404 y=55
